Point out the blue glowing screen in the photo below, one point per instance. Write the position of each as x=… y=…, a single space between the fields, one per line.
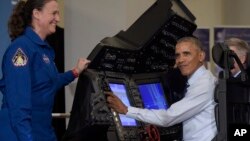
x=120 y=91
x=153 y=96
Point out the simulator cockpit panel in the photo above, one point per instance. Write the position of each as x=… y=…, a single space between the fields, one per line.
x=137 y=65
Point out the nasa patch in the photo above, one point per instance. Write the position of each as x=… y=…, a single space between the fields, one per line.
x=46 y=59
x=19 y=59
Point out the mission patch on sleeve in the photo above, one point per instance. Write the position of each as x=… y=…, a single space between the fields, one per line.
x=19 y=59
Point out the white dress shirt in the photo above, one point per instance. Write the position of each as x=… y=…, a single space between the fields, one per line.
x=195 y=110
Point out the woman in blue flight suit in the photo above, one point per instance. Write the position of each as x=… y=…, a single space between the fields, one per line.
x=30 y=78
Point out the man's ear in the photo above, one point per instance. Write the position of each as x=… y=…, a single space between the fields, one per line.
x=202 y=56
x=243 y=59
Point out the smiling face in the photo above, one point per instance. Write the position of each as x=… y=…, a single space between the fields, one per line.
x=46 y=19
x=189 y=57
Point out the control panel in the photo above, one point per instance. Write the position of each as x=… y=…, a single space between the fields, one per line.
x=131 y=64
x=157 y=55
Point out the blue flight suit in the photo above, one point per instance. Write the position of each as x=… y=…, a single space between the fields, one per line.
x=29 y=84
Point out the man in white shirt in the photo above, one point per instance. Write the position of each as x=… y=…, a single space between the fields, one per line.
x=241 y=48
x=196 y=109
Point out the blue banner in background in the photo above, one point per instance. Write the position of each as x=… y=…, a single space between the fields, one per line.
x=223 y=33
x=5 y=11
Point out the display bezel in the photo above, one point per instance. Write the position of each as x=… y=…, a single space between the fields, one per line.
x=153 y=95
x=152 y=80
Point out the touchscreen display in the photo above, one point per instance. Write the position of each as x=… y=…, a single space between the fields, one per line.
x=153 y=96
x=120 y=91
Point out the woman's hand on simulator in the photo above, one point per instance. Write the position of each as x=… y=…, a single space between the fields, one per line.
x=81 y=65
x=115 y=103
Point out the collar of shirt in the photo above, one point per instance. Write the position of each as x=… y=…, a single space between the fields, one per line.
x=196 y=75
x=236 y=75
x=32 y=35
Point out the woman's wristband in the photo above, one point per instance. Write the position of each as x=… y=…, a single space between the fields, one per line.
x=75 y=72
